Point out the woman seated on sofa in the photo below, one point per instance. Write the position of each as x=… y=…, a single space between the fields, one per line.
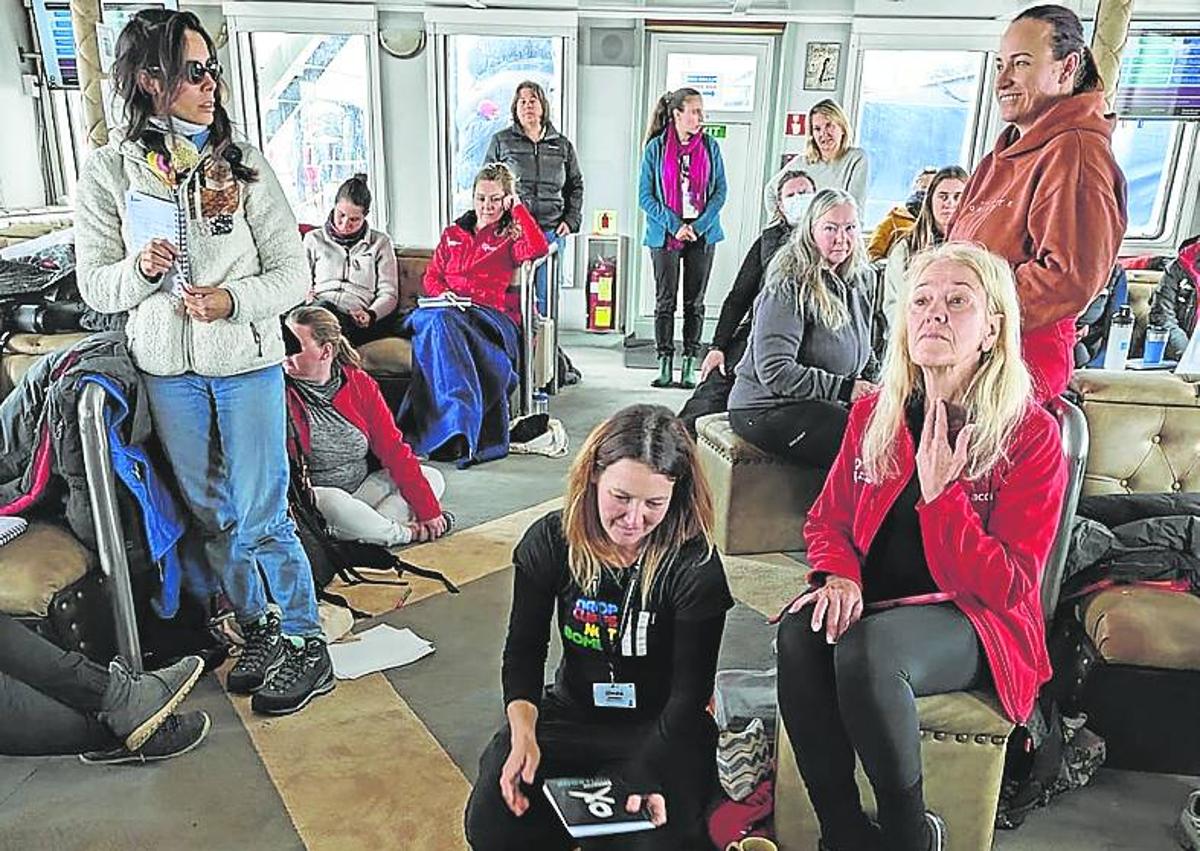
x=466 y=353
x=353 y=267
x=927 y=546
x=809 y=354
x=640 y=596
x=795 y=193
x=342 y=424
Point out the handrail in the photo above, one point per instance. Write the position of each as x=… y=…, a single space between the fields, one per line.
x=106 y=518
x=1075 y=444
x=529 y=314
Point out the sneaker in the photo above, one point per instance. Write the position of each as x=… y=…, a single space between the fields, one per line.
x=305 y=673
x=937 y=831
x=1189 y=822
x=260 y=657
x=177 y=735
x=136 y=704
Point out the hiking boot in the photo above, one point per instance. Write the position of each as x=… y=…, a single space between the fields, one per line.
x=687 y=372
x=306 y=672
x=177 y=735
x=134 y=705
x=666 y=369
x=260 y=657
x=937 y=831
x=1189 y=822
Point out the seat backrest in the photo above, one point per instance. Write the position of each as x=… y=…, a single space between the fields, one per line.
x=1075 y=447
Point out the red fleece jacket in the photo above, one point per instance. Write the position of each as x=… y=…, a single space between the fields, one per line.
x=986 y=541
x=360 y=401
x=1050 y=201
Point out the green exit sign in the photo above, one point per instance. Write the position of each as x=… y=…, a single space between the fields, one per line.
x=717 y=131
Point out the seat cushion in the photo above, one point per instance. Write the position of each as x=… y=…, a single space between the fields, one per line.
x=717 y=431
x=391 y=356
x=1145 y=626
x=37 y=565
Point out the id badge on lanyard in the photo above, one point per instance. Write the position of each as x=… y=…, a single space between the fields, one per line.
x=612 y=694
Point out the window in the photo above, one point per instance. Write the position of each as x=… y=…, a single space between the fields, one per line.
x=310 y=93
x=481 y=75
x=70 y=135
x=916 y=108
x=726 y=81
x=1146 y=150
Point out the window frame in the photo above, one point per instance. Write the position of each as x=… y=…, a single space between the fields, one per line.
x=253 y=16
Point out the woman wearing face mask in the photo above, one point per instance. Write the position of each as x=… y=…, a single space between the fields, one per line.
x=829 y=159
x=901 y=218
x=733 y=327
x=809 y=354
x=629 y=570
x=1050 y=197
x=465 y=358
x=681 y=190
x=353 y=268
x=933 y=221
x=203 y=328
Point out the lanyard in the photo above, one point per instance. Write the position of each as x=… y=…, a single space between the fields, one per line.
x=611 y=648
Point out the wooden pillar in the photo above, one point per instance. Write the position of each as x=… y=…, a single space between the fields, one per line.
x=85 y=14
x=1108 y=42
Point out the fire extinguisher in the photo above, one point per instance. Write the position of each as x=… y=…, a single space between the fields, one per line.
x=600 y=295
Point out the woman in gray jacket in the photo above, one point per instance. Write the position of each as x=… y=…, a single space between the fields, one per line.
x=809 y=354
x=189 y=233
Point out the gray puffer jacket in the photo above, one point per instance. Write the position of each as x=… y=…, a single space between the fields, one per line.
x=241 y=236
x=549 y=181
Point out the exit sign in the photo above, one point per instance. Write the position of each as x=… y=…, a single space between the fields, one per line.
x=717 y=131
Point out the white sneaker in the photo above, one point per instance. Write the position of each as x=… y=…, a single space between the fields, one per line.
x=1189 y=822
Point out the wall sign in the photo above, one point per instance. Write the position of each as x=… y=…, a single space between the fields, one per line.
x=717 y=131
x=821 y=66
x=794 y=125
x=604 y=222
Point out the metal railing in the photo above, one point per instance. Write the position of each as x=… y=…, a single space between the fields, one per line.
x=1075 y=442
x=106 y=518
x=529 y=314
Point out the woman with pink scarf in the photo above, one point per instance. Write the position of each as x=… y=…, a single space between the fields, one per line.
x=681 y=190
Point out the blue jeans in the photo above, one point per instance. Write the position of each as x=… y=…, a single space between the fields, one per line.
x=224 y=438
x=539 y=281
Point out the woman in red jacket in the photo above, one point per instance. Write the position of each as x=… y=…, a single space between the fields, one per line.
x=342 y=420
x=927 y=546
x=465 y=358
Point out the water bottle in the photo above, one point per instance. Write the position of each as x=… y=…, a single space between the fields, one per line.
x=541 y=403
x=1120 y=332
x=1156 y=344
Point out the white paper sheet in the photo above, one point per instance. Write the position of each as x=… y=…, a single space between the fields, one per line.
x=147 y=218
x=377 y=649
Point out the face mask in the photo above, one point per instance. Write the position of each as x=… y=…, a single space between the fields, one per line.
x=795 y=206
x=915 y=201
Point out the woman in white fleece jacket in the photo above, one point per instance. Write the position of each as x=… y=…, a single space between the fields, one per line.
x=353 y=268
x=204 y=305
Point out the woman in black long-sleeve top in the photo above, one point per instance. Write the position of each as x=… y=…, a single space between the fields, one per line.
x=793 y=195
x=640 y=596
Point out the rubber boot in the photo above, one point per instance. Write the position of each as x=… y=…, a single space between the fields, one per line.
x=687 y=372
x=666 y=368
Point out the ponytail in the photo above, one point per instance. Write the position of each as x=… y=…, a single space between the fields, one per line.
x=664 y=110
x=325 y=328
x=1066 y=37
x=1087 y=78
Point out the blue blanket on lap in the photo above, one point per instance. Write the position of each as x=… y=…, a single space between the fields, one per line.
x=464 y=370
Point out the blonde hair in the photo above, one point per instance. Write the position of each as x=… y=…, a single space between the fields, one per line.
x=1000 y=391
x=798 y=266
x=833 y=111
x=654 y=436
x=325 y=328
x=499 y=173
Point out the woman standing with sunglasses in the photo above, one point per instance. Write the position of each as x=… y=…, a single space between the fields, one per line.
x=190 y=233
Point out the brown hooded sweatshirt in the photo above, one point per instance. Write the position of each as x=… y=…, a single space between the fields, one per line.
x=1051 y=202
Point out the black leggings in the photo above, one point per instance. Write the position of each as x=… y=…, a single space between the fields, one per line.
x=573 y=747
x=858 y=696
x=808 y=432
x=712 y=396
x=697 y=260
x=48 y=697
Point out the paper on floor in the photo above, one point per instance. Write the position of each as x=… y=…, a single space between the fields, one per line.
x=377 y=649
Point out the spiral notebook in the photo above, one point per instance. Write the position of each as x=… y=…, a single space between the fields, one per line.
x=11 y=527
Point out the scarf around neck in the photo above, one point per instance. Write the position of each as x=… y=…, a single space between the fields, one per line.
x=672 y=168
x=344 y=241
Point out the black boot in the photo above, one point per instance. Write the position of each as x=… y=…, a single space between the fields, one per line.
x=306 y=672
x=666 y=371
x=904 y=822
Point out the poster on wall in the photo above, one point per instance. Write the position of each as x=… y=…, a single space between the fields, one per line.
x=821 y=66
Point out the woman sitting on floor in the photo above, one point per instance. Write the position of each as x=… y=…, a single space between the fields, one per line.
x=809 y=354
x=640 y=596
x=342 y=423
x=795 y=193
x=353 y=267
x=927 y=546
x=466 y=355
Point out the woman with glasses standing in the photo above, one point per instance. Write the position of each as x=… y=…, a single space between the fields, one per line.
x=204 y=273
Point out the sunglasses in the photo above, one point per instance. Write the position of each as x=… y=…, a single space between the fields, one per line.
x=194 y=71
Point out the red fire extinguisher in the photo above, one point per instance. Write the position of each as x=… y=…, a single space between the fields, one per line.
x=600 y=299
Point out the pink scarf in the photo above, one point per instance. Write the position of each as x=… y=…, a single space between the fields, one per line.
x=673 y=153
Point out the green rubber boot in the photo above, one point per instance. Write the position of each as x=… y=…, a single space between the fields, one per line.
x=666 y=368
x=687 y=377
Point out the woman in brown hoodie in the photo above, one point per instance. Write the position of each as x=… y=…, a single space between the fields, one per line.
x=1049 y=198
